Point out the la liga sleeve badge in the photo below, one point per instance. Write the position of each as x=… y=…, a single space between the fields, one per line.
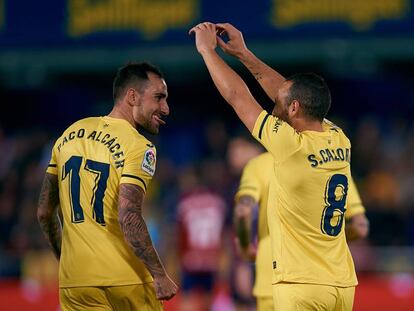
x=149 y=161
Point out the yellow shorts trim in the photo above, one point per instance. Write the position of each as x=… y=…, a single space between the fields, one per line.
x=130 y=298
x=300 y=297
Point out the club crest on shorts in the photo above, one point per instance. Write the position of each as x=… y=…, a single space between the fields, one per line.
x=148 y=163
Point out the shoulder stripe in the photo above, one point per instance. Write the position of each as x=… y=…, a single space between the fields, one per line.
x=262 y=125
x=247 y=187
x=52 y=165
x=136 y=177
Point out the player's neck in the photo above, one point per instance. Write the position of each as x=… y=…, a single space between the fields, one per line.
x=308 y=125
x=119 y=112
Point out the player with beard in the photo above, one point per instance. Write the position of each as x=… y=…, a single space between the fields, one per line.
x=98 y=174
x=253 y=194
x=312 y=265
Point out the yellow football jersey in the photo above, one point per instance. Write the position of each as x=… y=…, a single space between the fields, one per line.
x=354 y=204
x=255 y=183
x=307 y=202
x=92 y=158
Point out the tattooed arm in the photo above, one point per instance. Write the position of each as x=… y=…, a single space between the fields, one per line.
x=269 y=79
x=47 y=212
x=243 y=224
x=136 y=234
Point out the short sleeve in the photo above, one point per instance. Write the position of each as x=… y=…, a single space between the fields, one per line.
x=249 y=183
x=52 y=166
x=355 y=206
x=278 y=137
x=139 y=166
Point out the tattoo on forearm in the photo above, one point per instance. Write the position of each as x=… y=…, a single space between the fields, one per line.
x=258 y=75
x=134 y=228
x=256 y=70
x=48 y=213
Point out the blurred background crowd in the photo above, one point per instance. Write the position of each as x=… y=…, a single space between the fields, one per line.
x=54 y=76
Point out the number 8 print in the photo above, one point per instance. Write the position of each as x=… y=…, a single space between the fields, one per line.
x=335 y=209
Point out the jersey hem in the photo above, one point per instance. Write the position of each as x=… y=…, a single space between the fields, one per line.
x=133 y=181
x=317 y=283
x=352 y=211
x=261 y=294
x=52 y=170
x=105 y=284
x=247 y=192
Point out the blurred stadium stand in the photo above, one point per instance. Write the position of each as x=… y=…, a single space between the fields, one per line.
x=57 y=62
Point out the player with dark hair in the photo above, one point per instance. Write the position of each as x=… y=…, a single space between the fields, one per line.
x=98 y=174
x=312 y=265
x=253 y=193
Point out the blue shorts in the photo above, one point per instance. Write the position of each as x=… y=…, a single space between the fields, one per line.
x=202 y=281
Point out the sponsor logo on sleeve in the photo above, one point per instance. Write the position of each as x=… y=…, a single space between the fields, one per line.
x=278 y=123
x=148 y=163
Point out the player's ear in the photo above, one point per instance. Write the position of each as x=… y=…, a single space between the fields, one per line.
x=294 y=107
x=132 y=96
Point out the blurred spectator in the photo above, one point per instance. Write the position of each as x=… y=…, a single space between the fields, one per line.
x=201 y=216
x=382 y=164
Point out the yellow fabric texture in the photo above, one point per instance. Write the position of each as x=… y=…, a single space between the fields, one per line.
x=299 y=297
x=92 y=158
x=307 y=203
x=255 y=183
x=112 y=298
x=265 y=303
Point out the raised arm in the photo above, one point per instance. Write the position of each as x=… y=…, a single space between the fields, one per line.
x=230 y=85
x=47 y=213
x=270 y=80
x=136 y=234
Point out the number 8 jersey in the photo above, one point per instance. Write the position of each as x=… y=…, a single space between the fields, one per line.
x=92 y=158
x=307 y=203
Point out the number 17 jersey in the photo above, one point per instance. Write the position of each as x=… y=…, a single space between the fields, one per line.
x=91 y=159
x=307 y=203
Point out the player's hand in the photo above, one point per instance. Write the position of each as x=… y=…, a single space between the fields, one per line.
x=357 y=227
x=165 y=288
x=206 y=38
x=235 y=45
